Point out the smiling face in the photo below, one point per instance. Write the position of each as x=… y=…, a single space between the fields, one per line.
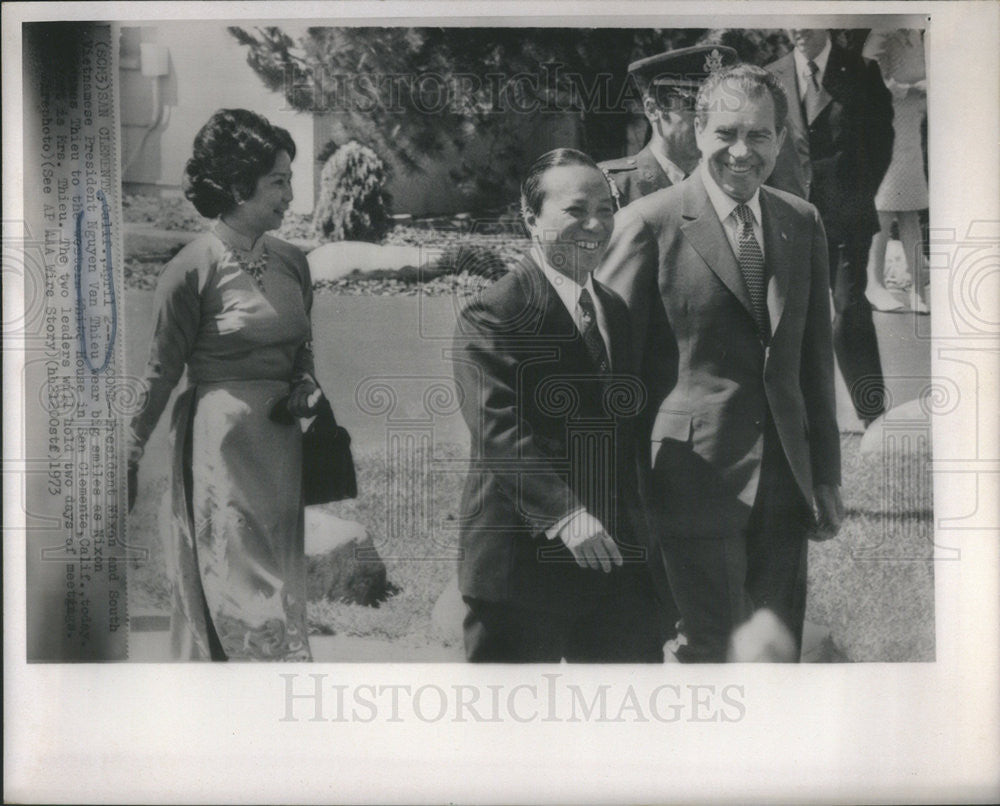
x=575 y=221
x=739 y=141
x=265 y=209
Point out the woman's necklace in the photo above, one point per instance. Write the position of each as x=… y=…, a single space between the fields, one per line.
x=252 y=261
x=254 y=265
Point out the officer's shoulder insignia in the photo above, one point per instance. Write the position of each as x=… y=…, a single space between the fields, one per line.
x=622 y=164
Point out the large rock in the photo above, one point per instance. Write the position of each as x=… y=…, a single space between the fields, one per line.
x=333 y=261
x=905 y=428
x=342 y=563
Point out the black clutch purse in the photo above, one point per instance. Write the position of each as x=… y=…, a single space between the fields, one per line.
x=327 y=465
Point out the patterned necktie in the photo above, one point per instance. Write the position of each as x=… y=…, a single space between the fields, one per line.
x=752 y=265
x=814 y=103
x=587 y=322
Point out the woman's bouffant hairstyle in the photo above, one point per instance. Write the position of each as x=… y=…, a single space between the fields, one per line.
x=231 y=152
x=532 y=195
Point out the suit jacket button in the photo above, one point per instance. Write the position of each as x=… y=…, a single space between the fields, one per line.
x=757 y=423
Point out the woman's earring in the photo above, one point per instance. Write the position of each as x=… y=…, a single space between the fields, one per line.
x=526 y=215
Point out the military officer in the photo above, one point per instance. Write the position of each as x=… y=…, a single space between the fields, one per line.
x=669 y=83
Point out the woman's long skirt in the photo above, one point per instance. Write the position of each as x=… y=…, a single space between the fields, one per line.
x=238 y=554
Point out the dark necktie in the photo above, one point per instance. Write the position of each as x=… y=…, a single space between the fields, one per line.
x=814 y=100
x=587 y=321
x=751 y=260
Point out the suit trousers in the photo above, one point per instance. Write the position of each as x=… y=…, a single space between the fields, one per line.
x=854 y=339
x=719 y=582
x=619 y=625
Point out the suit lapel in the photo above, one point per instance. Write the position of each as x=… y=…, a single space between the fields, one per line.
x=825 y=96
x=835 y=77
x=550 y=314
x=553 y=320
x=797 y=133
x=779 y=246
x=618 y=350
x=784 y=70
x=704 y=231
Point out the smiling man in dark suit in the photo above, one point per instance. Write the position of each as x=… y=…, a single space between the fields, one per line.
x=727 y=285
x=836 y=152
x=555 y=562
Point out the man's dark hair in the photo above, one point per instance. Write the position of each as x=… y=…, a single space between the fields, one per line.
x=532 y=195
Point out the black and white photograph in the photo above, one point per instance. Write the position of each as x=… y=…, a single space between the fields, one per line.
x=541 y=383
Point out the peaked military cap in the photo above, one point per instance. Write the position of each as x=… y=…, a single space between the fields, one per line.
x=681 y=71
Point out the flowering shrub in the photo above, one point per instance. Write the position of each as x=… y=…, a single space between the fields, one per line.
x=353 y=204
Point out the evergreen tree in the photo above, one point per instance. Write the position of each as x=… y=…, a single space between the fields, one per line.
x=411 y=92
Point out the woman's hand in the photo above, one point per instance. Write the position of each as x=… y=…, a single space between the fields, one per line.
x=303 y=398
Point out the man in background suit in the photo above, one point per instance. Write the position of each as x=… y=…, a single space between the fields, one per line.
x=669 y=82
x=837 y=150
x=553 y=535
x=728 y=288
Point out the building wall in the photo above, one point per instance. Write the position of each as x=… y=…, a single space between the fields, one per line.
x=206 y=71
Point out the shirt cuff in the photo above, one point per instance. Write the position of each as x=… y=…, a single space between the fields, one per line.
x=553 y=531
x=574 y=528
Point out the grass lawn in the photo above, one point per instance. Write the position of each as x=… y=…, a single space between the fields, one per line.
x=873 y=585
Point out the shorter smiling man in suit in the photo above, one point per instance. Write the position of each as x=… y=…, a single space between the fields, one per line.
x=555 y=562
x=728 y=286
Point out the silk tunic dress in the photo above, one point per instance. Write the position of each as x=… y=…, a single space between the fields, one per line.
x=901 y=56
x=237 y=559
